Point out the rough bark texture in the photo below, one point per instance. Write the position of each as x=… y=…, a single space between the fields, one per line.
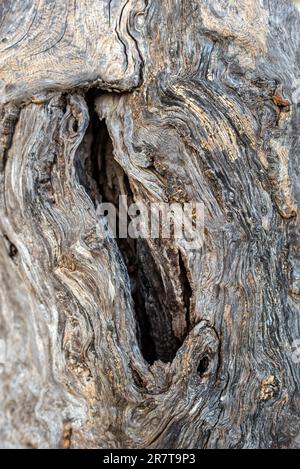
x=121 y=344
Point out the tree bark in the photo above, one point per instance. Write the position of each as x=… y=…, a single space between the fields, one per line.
x=116 y=343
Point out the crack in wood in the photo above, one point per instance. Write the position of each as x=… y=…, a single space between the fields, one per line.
x=105 y=180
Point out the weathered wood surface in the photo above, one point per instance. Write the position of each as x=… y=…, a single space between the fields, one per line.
x=148 y=344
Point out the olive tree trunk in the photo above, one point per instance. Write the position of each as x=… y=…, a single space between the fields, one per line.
x=122 y=343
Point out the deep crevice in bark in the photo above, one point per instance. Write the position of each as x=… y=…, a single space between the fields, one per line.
x=154 y=319
x=105 y=180
x=186 y=290
x=203 y=366
x=11 y=248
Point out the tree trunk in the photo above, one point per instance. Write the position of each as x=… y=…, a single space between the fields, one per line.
x=122 y=343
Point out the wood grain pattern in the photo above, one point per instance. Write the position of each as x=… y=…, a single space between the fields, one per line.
x=52 y=45
x=130 y=345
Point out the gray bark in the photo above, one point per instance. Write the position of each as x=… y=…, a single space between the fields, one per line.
x=121 y=344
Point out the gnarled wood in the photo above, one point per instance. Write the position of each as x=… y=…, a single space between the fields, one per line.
x=119 y=344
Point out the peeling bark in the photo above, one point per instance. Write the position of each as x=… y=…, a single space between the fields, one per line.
x=121 y=343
